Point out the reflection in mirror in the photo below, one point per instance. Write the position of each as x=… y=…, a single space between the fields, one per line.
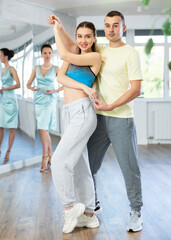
x=17 y=36
x=43 y=81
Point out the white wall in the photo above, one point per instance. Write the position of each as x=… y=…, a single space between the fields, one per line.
x=144 y=110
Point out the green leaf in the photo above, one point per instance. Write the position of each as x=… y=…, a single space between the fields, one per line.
x=169 y=65
x=166 y=27
x=145 y=2
x=167 y=11
x=149 y=46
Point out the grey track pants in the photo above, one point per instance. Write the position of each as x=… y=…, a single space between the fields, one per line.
x=70 y=165
x=121 y=133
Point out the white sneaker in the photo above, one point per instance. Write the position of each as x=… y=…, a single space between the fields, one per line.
x=87 y=221
x=135 y=221
x=71 y=217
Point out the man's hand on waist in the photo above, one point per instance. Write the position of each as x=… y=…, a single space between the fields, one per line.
x=102 y=106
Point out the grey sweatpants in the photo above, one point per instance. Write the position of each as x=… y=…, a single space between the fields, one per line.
x=70 y=165
x=121 y=133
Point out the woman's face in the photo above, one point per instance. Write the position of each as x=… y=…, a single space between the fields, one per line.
x=47 y=54
x=3 y=58
x=85 y=39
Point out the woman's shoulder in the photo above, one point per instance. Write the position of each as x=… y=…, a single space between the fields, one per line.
x=36 y=67
x=56 y=68
x=12 y=69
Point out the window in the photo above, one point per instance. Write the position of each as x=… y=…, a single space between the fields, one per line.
x=153 y=72
x=153 y=64
x=169 y=39
x=17 y=63
x=144 y=39
x=28 y=67
x=169 y=81
x=23 y=62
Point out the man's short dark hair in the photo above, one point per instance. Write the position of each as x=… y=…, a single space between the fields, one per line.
x=116 y=13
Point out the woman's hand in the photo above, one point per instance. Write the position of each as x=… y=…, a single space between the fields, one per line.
x=91 y=92
x=34 y=88
x=48 y=92
x=2 y=89
x=57 y=25
x=54 y=21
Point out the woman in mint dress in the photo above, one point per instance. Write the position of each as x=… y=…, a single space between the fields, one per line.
x=8 y=103
x=45 y=101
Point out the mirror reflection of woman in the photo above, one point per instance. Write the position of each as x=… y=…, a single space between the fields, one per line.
x=8 y=105
x=45 y=101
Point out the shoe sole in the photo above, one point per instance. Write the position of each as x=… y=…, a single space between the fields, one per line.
x=88 y=226
x=91 y=225
x=82 y=209
x=134 y=230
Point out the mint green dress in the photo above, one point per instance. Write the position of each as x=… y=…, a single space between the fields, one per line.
x=45 y=105
x=8 y=103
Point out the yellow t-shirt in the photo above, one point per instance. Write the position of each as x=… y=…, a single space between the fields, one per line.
x=119 y=66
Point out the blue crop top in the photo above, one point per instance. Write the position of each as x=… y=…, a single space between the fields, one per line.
x=82 y=74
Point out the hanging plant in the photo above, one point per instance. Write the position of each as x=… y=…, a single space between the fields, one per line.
x=149 y=46
x=169 y=65
x=145 y=3
x=166 y=27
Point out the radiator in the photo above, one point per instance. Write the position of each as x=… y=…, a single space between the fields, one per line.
x=162 y=124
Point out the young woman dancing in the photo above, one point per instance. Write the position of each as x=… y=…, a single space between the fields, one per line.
x=70 y=166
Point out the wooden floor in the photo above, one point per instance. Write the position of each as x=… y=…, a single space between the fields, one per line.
x=30 y=208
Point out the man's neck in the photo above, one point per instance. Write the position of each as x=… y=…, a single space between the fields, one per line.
x=116 y=44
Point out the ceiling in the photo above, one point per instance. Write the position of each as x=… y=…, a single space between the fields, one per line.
x=101 y=7
x=12 y=29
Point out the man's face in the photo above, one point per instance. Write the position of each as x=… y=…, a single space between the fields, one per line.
x=114 y=28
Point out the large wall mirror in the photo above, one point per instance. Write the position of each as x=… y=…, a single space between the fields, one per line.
x=18 y=36
x=26 y=40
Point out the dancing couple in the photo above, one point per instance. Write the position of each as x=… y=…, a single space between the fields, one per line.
x=119 y=79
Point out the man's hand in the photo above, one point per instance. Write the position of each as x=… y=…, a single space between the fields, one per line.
x=102 y=106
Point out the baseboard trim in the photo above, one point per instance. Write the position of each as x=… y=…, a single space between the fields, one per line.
x=19 y=164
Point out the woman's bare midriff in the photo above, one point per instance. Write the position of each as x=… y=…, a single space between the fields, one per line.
x=71 y=95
